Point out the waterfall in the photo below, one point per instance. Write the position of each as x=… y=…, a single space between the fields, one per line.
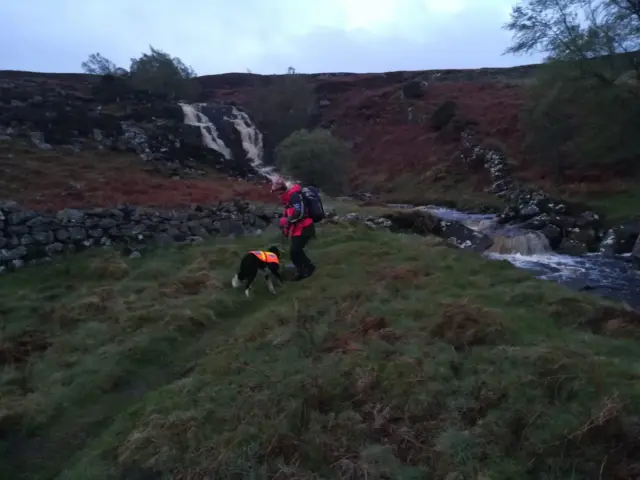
x=209 y=132
x=252 y=142
x=483 y=225
x=525 y=242
x=509 y=239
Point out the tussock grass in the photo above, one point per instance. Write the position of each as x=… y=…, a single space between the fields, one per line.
x=401 y=358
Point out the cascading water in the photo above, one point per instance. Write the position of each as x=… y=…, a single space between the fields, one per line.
x=523 y=243
x=506 y=240
x=530 y=250
x=210 y=138
x=252 y=142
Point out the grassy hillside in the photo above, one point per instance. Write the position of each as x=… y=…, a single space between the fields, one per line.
x=401 y=359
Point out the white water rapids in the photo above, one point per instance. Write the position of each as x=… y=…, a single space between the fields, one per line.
x=612 y=277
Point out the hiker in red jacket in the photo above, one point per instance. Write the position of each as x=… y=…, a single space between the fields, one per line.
x=296 y=225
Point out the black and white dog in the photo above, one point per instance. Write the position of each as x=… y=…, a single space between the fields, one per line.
x=267 y=261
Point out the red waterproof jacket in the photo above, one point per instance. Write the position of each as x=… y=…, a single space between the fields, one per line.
x=295 y=213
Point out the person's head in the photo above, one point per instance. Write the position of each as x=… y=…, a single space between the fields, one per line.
x=278 y=186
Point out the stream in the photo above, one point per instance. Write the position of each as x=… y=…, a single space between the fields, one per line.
x=611 y=277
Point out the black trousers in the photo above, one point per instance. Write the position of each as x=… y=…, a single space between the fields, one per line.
x=298 y=256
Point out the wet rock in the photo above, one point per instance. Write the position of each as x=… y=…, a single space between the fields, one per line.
x=455 y=233
x=621 y=238
x=464 y=237
x=537 y=223
x=529 y=211
x=586 y=236
x=589 y=219
x=572 y=247
x=553 y=234
x=608 y=245
x=635 y=254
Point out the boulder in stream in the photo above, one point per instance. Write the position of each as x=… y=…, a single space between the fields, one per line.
x=425 y=223
x=621 y=238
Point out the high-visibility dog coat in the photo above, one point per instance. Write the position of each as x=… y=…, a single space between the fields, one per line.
x=266 y=257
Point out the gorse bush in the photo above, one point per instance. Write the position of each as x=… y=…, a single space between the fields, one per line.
x=155 y=72
x=316 y=158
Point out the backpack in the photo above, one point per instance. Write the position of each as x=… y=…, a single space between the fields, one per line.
x=313 y=204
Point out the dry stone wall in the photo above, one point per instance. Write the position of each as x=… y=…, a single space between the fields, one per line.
x=28 y=236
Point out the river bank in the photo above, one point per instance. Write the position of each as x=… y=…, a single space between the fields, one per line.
x=600 y=273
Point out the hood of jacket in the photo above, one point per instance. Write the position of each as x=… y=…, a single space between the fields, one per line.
x=286 y=196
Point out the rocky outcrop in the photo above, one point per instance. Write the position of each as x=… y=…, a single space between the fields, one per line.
x=106 y=114
x=622 y=238
x=28 y=236
x=570 y=228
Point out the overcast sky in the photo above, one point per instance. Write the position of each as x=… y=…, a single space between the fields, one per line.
x=265 y=36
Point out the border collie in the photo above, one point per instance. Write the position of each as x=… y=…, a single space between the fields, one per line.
x=266 y=261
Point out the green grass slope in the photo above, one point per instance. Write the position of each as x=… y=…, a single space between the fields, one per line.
x=401 y=359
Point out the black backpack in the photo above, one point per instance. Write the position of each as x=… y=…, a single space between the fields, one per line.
x=313 y=204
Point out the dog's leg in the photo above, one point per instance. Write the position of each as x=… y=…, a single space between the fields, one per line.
x=269 y=279
x=276 y=274
x=235 y=281
x=247 y=290
x=274 y=270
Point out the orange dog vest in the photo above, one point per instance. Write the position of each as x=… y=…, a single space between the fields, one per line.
x=266 y=257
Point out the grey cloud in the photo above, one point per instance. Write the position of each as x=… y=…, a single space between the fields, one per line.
x=262 y=36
